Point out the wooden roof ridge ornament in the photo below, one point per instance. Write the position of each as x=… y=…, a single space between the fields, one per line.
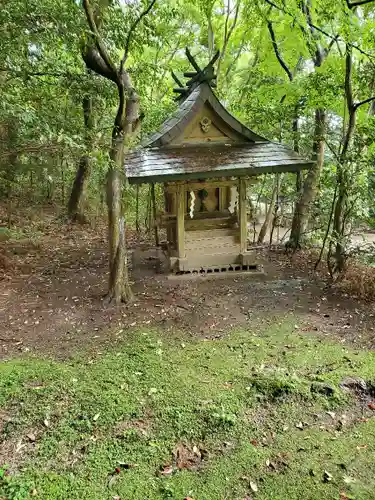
x=202 y=139
x=196 y=77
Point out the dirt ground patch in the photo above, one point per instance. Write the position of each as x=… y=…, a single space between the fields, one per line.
x=51 y=298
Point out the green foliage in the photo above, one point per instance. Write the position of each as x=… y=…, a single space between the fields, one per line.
x=43 y=81
x=14 y=488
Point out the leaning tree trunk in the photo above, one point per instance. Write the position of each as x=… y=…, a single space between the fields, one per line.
x=126 y=123
x=270 y=211
x=119 y=288
x=77 y=195
x=302 y=209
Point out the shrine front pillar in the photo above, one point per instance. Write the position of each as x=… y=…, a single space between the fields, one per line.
x=242 y=215
x=180 y=221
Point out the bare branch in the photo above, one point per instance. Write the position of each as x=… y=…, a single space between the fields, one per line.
x=298 y=66
x=232 y=26
x=348 y=80
x=352 y=5
x=95 y=62
x=277 y=52
x=27 y=74
x=334 y=41
x=97 y=38
x=238 y=54
x=131 y=31
x=365 y=101
x=350 y=105
x=330 y=147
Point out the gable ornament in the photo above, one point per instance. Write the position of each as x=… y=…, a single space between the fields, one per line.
x=205 y=124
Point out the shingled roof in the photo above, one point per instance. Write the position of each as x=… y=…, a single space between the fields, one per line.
x=159 y=160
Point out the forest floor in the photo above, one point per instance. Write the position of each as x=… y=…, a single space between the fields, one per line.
x=54 y=278
x=225 y=388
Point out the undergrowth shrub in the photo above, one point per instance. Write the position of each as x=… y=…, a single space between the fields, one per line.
x=359 y=281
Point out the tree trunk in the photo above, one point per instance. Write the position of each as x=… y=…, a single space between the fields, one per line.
x=339 y=225
x=10 y=163
x=302 y=210
x=338 y=221
x=126 y=122
x=342 y=175
x=299 y=184
x=137 y=226
x=118 y=288
x=77 y=195
x=269 y=213
x=296 y=136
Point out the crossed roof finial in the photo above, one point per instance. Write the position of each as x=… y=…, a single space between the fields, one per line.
x=207 y=74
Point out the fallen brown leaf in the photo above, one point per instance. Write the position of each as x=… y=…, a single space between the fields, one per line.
x=343 y=496
x=167 y=471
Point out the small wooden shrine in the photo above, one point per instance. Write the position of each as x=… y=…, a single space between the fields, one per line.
x=205 y=159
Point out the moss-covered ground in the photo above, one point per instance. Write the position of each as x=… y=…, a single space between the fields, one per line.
x=256 y=414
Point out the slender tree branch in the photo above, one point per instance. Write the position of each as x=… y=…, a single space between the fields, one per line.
x=226 y=22
x=312 y=25
x=332 y=43
x=228 y=31
x=365 y=101
x=320 y=53
x=348 y=80
x=327 y=230
x=350 y=107
x=298 y=66
x=97 y=38
x=233 y=25
x=352 y=5
x=330 y=147
x=251 y=67
x=317 y=53
x=27 y=74
x=277 y=52
x=236 y=57
x=131 y=31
